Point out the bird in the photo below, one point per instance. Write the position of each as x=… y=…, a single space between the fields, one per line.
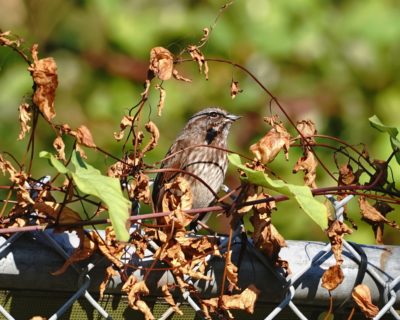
x=199 y=150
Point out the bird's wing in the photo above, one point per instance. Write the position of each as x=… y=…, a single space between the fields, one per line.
x=164 y=177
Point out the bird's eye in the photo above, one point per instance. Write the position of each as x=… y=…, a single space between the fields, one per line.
x=213 y=114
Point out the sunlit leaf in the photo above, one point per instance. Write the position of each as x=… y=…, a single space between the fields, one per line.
x=57 y=164
x=302 y=194
x=90 y=181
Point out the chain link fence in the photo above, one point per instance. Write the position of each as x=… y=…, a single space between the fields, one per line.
x=29 y=289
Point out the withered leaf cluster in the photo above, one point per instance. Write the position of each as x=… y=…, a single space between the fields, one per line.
x=161 y=66
x=334 y=276
x=44 y=74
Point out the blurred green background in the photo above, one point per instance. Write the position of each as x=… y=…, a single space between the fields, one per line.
x=335 y=62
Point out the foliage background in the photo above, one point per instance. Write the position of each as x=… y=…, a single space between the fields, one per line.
x=335 y=62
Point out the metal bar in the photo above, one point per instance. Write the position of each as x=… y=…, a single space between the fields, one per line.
x=71 y=300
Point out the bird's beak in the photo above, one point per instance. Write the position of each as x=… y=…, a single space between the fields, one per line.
x=233 y=117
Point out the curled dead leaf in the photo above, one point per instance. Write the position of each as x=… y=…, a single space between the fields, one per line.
x=59 y=145
x=139 y=189
x=170 y=300
x=231 y=271
x=155 y=135
x=84 y=136
x=44 y=75
x=6 y=39
x=109 y=247
x=198 y=56
x=376 y=217
x=347 y=175
x=307 y=129
x=161 y=63
x=206 y=33
x=135 y=290
x=108 y=275
x=369 y=213
x=161 y=102
x=362 y=296
x=177 y=195
x=235 y=89
x=127 y=121
x=332 y=277
x=244 y=301
x=177 y=76
x=276 y=139
x=57 y=211
x=309 y=165
x=335 y=232
x=24 y=119
x=85 y=250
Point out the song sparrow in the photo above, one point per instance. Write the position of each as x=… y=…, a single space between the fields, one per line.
x=209 y=127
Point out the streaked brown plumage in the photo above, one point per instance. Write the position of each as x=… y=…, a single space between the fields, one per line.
x=209 y=127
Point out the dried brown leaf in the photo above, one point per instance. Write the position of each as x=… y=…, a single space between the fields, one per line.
x=177 y=76
x=161 y=63
x=139 y=188
x=44 y=75
x=268 y=147
x=161 y=102
x=332 y=277
x=142 y=306
x=84 y=137
x=7 y=167
x=135 y=290
x=109 y=274
x=235 y=89
x=362 y=296
x=376 y=217
x=335 y=232
x=24 y=119
x=169 y=299
x=59 y=145
x=198 y=56
x=177 y=195
x=347 y=176
x=369 y=213
x=5 y=40
x=244 y=301
x=127 y=121
x=85 y=250
x=231 y=271
x=309 y=165
x=56 y=210
x=307 y=129
x=206 y=33
x=109 y=247
x=155 y=135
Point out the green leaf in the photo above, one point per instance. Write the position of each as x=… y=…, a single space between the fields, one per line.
x=90 y=181
x=302 y=194
x=377 y=124
x=396 y=144
x=54 y=162
x=392 y=131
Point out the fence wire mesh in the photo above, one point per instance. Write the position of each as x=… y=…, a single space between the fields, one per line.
x=295 y=291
